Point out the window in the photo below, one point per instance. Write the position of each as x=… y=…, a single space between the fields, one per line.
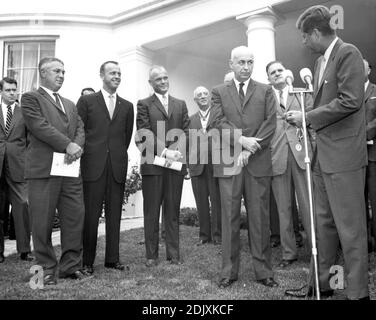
x=21 y=61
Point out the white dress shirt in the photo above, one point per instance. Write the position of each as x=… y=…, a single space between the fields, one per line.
x=245 y=87
x=164 y=101
x=204 y=117
x=106 y=97
x=285 y=93
x=4 y=108
x=51 y=93
x=327 y=54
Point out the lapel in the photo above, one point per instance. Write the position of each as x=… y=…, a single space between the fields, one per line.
x=171 y=106
x=327 y=67
x=102 y=104
x=49 y=98
x=251 y=88
x=196 y=122
x=2 y=120
x=290 y=99
x=159 y=105
x=117 y=107
x=235 y=95
x=368 y=91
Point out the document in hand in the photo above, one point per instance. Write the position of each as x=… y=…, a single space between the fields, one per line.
x=163 y=162
x=60 y=168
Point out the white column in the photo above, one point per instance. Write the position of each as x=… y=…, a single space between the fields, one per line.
x=261 y=38
x=135 y=64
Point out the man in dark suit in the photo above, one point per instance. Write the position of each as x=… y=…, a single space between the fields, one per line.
x=244 y=112
x=54 y=126
x=288 y=164
x=108 y=121
x=161 y=119
x=204 y=184
x=370 y=191
x=338 y=117
x=12 y=165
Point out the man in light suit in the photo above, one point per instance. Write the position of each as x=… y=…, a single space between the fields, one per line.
x=158 y=116
x=108 y=121
x=288 y=164
x=370 y=191
x=12 y=165
x=244 y=112
x=54 y=126
x=338 y=117
x=204 y=184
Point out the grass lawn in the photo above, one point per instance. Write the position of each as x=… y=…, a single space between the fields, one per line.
x=195 y=279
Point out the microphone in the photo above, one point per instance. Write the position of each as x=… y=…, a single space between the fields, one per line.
x=289 y=79
x=306 y=76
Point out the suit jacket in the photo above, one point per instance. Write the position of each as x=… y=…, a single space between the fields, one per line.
x=370 y=105
x=200 y=144
x=14 y=145
x=338 y=114
x=285 y=136
x=256 y=118
x=49 y=130
x=150 y=115
x=105 y=136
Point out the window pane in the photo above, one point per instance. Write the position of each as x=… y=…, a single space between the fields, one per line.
x=30 y=54
x=15 y=74
x=47 y=49
x=29 y=81
x=14 y=55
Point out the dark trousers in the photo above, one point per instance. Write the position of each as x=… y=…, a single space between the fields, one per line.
x=17 y=195
x=256 y=193
x=206 y=186
x=45 y=196
x=340 y=219
x=370 y=194
x=166 y=188
x=108 y=191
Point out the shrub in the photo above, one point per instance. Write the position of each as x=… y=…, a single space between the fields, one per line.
x=189 y=217
x=132 y=184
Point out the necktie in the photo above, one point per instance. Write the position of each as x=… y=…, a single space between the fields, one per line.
x=111 y=105
x=9 y=119
x=281 y=100
x=56 y=95
x=165 y=103
x=241 y=93
x=322 y=68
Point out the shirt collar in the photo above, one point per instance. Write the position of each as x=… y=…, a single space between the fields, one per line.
x=366 y=85
x=106 y=94
x=160 y=96
x=329 y=50
x=49 y=91
x=245 y=84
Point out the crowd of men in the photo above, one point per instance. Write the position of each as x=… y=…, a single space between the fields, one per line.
x=259 y=125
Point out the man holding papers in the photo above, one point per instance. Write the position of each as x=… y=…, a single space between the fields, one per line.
x=54 y=126
x=161 y=120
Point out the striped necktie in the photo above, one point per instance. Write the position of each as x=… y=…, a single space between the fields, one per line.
x=9 y=119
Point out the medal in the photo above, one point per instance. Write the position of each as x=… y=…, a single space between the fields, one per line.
x=298 y=147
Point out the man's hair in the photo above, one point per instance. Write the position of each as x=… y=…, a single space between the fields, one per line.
x=103 y=66
x=46 y=60
x=155 y=67
x=197 y=89
x=87 y=89
x=236 y=50
x=7 y=80
x=316 y=17
x=270 y=64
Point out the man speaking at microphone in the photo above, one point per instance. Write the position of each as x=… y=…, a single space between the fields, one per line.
x=340 y=156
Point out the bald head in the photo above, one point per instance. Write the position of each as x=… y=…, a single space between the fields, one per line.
x=158 y=79
x=202 y=97
x=241 y=63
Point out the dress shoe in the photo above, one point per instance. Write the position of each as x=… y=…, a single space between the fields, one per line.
x=25 y=256
x=49 y=280
x=151 y=263
x=268 y=282
x=1 y=258
x=286 y=262
x=217 y=242
x=224 y=283
x=201 y=242
x=324 y=294
x=304 y=293
x=88 y=270
x=116 y=265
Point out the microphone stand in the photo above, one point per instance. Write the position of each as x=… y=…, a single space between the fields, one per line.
x=307 y=162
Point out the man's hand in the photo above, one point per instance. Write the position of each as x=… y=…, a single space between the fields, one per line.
x=73 y=152
x=243 y=158
x=250 y=143
x=294 y=117
x=173 y=155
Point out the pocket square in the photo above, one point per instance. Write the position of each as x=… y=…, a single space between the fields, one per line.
x=325 y=81
x=372 y=98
